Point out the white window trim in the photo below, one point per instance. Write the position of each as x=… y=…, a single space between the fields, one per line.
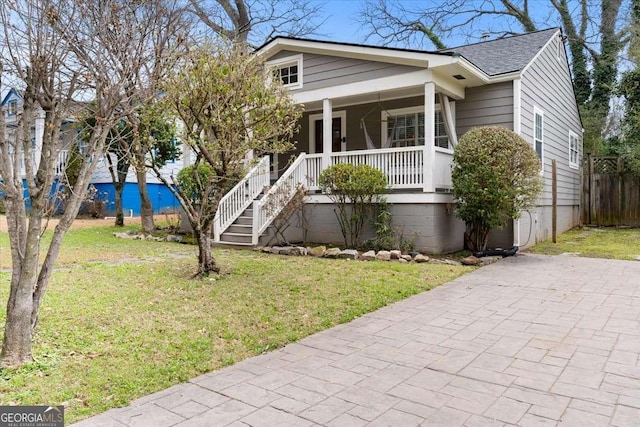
x=289 y=60
x=412 y=110
x=343 y=129
x=12 y=103
x=576 y=164
x=538 y=111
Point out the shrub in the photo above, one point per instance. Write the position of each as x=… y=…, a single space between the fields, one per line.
x=195 y=181
x=495 y=175
x=387 y=237
x=355 y=189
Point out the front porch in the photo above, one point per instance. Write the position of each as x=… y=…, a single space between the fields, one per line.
x=404 y=127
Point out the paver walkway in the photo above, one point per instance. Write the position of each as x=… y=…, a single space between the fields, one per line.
x=530 y=341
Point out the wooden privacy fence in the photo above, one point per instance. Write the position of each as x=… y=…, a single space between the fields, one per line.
x=610 y=193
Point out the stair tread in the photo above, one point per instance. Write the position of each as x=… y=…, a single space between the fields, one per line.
x=222 y=242
x=229 y=233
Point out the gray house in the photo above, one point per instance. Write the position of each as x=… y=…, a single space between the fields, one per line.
x=402 y=111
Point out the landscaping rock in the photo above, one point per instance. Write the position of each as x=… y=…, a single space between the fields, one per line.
x=637 y=258
x=348 y=254
x=368 y=256
x=489 y=260
x=383 y=256
x=298 y=251
x=407 y=258
x=421 y=258
x=124 y=235
x=275 y=250
x=285 y=250
x=318 y=251
x=332 y=253
x=174 y=238
x=395 y=254
x=470 y=260
x=402 y=260
x=266 y=249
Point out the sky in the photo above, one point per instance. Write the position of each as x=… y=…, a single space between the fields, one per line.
x=342 y=24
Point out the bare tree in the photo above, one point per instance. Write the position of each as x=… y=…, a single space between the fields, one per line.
x=595 y=32
x=258 y=20
x=61 y=53
x=228 y=106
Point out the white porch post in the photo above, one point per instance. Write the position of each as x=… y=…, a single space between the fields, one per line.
x=429 y=154
x=327 y=119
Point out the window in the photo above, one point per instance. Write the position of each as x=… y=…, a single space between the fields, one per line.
x=538 y=134
x=12 y=108
x=405 y=128
x=289 y=70
x=574 y=159
x=288 y=74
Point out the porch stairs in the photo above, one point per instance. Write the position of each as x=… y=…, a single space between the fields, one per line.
x=245 y=213
x=240 y=232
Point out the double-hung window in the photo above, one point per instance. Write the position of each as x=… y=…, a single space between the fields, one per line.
x=538 y=134
x=574 y=153
x=405 y=128
x=12 y=108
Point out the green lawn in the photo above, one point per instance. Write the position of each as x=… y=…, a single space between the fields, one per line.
x=121 y=318
x=595 y=243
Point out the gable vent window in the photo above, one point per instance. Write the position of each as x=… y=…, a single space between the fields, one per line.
x=288 y=70
x=288 y=74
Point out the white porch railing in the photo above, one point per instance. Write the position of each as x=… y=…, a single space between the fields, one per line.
x=61 y=163
x=402 y=166
x=314 y=168
x=267 y=209
x=240 y=197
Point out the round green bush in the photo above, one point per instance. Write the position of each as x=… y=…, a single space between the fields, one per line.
x=496 y=175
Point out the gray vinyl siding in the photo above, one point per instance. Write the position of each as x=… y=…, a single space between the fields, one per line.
x=322 y=71
x=372 y=114
x=547 y=85
x=490 y=105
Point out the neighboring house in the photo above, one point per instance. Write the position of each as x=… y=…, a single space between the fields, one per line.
x=161 y=197
x=402 y=111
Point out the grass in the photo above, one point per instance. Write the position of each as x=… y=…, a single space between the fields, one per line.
x=121 y=319
x=594 y=243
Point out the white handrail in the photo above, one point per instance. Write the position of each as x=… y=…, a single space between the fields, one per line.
x=240 y=197
x=267 y=209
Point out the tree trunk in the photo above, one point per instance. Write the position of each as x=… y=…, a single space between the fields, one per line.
x=119 y=187
x=16 y=345
x=206 y=261
x=146 y=208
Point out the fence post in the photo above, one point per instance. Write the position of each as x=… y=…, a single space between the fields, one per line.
x=554 y=201
x=620 y=205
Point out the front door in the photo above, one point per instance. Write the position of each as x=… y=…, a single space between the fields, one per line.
x=338 y=138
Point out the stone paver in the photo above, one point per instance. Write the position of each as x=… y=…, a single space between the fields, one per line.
x=532 y=340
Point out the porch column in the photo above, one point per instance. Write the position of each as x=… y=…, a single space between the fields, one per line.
x=327 y=119
x=429 y=154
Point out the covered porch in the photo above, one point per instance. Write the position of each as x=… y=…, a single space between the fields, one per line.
x=404 y=126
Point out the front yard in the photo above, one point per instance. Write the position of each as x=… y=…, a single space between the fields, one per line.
x=121 y=319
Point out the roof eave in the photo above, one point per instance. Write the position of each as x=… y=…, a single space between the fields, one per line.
x=372 y=53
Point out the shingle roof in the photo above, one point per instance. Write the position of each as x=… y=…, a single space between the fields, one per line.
x=504 y=55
